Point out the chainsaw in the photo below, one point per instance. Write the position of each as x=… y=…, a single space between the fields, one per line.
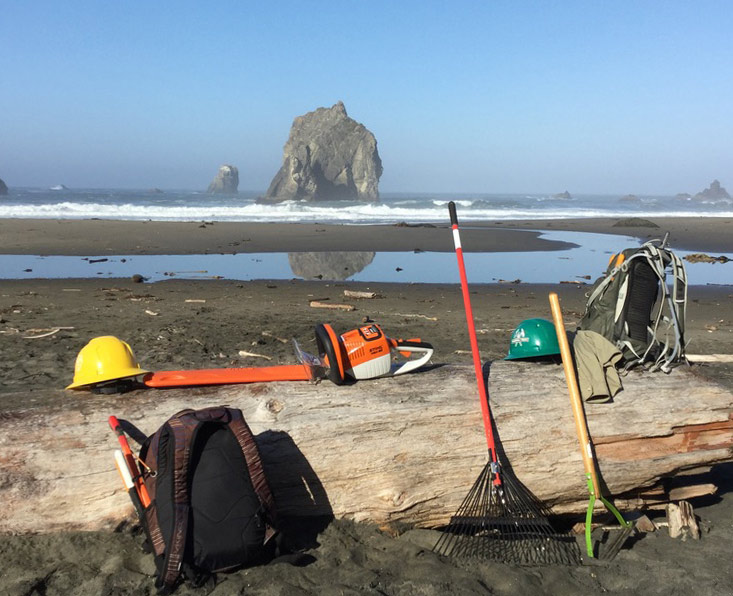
x=365 y=353
x=359 y=354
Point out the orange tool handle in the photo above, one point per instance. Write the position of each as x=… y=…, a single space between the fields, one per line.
x=478 y=368
x=132 y=466
x=581 y=423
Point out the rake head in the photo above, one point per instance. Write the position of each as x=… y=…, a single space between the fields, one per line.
x=500 y=520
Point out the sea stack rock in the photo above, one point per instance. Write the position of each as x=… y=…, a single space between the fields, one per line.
x=328 y=156
x=714 y=192
x=562 y=195
x=3 y=188
x=226 y=181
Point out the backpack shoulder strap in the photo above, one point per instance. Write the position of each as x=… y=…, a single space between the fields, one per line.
x=182 y=428
x=246 y=441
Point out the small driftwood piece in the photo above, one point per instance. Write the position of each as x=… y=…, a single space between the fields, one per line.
x=246 y=354
x=44 y=332
x=681 y=521
x=359 y=294
x=394 y=450
x=317 y=304
x=282 y=340
x=722 y=358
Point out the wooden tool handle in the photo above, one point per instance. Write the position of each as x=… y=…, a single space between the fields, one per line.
x=581 y=423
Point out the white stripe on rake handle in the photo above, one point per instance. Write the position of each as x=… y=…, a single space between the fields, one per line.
x=123 y=470
x=456 y=238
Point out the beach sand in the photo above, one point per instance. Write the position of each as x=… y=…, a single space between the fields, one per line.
x=206 y=323
x=99 y=237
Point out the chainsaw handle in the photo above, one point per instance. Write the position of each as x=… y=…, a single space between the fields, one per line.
x=414 y=346
x=402 y=344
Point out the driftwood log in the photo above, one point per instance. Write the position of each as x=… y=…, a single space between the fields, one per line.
x=403 y=449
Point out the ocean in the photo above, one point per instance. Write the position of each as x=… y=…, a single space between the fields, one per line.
x=393 y=207
x=574 y=265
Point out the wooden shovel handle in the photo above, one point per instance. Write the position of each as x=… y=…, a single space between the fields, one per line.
x=581 y=423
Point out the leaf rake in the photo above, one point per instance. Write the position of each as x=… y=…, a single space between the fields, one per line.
x=500 y=519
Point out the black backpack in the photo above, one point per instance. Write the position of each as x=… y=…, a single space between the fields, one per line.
x=211 y=508
x=632 y=306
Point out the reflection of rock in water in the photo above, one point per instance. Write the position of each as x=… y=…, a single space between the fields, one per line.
x=328 y=265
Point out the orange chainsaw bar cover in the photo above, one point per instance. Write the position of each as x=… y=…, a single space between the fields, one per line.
x=224 y=376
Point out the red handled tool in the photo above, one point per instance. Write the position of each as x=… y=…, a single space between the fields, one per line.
x=131 y=463
x=129 y=485
x=499 y=519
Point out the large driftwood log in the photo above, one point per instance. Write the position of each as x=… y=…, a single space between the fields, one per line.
x=403 y=449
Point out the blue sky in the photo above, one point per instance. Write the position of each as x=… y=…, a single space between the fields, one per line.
x=486 y=96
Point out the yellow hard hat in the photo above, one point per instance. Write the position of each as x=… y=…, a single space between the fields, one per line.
x=104 y=359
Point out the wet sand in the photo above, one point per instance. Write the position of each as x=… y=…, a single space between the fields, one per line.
x=99 y=237
x=205 y=324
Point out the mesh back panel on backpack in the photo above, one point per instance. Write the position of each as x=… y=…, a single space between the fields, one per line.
x=642 y=295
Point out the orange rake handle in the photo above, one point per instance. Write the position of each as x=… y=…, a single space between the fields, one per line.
x=225 y=376
x=478 y=368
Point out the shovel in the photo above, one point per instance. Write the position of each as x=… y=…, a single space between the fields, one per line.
x=605 y=542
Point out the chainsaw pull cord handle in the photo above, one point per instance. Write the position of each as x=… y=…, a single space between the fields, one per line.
x=483 y=395
x=130 y=460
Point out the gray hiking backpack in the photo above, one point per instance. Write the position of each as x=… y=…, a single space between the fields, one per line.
x=632 y=306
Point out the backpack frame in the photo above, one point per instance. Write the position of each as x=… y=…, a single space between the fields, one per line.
x=632 y=306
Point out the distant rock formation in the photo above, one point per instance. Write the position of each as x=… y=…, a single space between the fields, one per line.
x=328 y=265
x=155 y=191
x=226 y=181
x=3 y=188
x=562 y=195
x=328 y=156
x=714 y=192
x=629 y=199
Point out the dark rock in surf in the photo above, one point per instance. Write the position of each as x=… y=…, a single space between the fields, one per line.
x=226 y=181
x=629 y=199
x=562 y=195
x=3 y=188
x=328 y=156
x=714 y=192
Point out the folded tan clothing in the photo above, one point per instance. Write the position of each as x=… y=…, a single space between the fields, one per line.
x=595 y=360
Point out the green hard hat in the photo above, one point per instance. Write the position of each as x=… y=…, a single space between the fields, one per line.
x=532 y=338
